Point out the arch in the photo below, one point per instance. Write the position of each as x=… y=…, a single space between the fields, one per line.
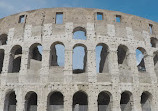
x=57 y=54
x=102 y=58
x=79 y=33
x=80 y=101
x=55 y=101
x=154 y=42
x=79 y=58
x=3 y=39
x=31 y=101
x=155 y=60
x=1 y=59
x=126 y=101
x=10 y=101
x=122 y=54
x=146 y=101
x=15 y=59
x=35 y=56
x=140 y=55
x=104 y=101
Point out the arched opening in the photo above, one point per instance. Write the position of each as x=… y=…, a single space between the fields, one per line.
x=140 y=55
x=10 y=102
x=154 y=42
x=122 y=54
x=80 y=101
x=126 y=101
x=31 y=101
x=56 y=102
x=1 y=59
x=79 y=33
x=79 y=59
x=35 y=56
x=104 y=101
x=146 y=101
x=15 y=59
x=155 y=59
x=3 y=39
x=57 y=55
x=102 y=58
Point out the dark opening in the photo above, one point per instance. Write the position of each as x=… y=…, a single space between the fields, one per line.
x=3 y=39
x=10 y=102
x=22 y=19
x=79 y=59
x=121 y=54
x=80 y=102
x=118 y=18
x=145 y=101
x=102 y=58
x=104 y=102
x=15 y=59
x=1 y=59
x=99 y=16
x=125 y=102
x=56 y=102
x=31 y=101
x=59 y=18
x=154 y=42
x=35 y=56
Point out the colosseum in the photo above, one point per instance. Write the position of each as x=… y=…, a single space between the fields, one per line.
x=37 y=76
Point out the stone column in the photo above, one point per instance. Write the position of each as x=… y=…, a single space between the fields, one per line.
x=24 y=64
x=132 y=63
x=92 y=100
x=136 y=102
x=44 y=72
x=20 y=105
x=42 y=100
x=113 y=65
x=68 y=71
x=5 y=67
x=116 y=101
x=91 y=63
x=149 y=65
x=68 y=99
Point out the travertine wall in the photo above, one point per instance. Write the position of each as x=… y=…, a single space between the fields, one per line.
x=40 y=27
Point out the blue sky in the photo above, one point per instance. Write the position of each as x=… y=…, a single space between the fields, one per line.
x=144 y=8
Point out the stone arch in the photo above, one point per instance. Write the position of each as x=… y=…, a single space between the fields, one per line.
x=10 y=101
x=126 y=101
x=146 y=101
x=79 y=61
x=57 y=53
x=3 y=39
x=80 y=101
x=142 y=52
x=122 y=54
x=35 y=56
x=31 y=101
x=15 y=59
x=104 y=101
x=155 y=60
x=79 y=33
x=102 y=58
x=55 y=101
x=154 y=42
x=1 y=59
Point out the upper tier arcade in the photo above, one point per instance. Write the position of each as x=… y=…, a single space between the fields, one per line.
x=119 y=35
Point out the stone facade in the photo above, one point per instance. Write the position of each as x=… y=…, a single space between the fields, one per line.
x=37 y=86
